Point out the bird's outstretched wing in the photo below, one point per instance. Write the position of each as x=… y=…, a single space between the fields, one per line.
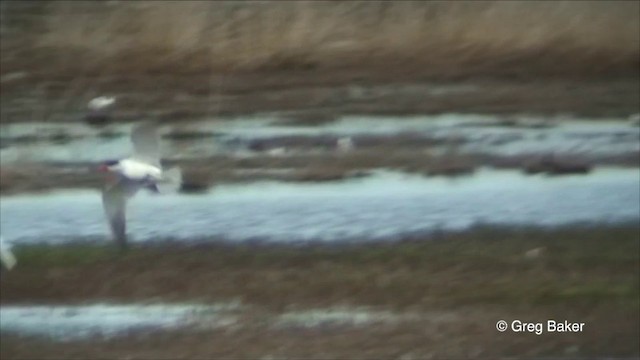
x=146 y=144
x=114 y=201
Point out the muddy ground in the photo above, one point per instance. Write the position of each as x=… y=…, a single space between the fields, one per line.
x=460 y=285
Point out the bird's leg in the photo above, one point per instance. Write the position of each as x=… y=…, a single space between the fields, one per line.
x=153 y=187
x=150 y=184
x=122 y=245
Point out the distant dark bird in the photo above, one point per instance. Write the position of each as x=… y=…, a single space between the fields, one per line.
x=141 y=170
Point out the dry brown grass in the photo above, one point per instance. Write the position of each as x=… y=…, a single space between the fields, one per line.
x=317 y=60
x=225 y=35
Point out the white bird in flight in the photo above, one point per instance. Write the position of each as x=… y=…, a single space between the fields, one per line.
x=141 y=170
x=101 y=102
x=100 y=109
x=6 y=256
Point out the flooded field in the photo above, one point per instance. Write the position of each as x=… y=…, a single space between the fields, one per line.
x=252 y=136
x=361 y=180
x=414 y=239
x=50 y=156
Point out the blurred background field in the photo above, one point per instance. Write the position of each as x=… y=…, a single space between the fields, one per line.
x=362 y=179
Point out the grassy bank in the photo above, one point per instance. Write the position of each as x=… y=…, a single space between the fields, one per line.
x=480 y=266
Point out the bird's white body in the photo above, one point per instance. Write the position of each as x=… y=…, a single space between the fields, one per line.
x=6 y=256
x=101 y=103
x=137 y=170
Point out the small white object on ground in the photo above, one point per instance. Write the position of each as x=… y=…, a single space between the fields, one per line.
x=534 y=253
x=279 y=151
x=345 y=144
x=6 y=256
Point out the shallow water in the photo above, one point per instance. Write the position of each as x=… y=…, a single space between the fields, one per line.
x=486 y=134
x=385 y=206
x=69 y=322
x=339 y=317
